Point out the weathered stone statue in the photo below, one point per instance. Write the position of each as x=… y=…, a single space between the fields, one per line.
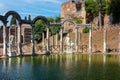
x=11 y=42
x=11 y=45
x=69 y=45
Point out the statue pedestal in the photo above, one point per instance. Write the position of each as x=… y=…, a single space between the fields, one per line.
x=12 y=54
x=69 y=50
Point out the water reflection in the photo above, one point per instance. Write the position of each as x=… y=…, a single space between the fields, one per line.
x=104 y=58
x=61 y=67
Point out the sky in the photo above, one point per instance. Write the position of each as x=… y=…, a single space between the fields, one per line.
x=48 y=8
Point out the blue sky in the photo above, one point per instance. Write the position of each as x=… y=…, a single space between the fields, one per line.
x=48 y=8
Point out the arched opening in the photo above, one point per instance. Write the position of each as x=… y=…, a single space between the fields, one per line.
x=69 y=35
x=13 y=32
x=41 y=28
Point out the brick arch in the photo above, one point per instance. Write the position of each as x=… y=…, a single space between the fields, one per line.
x=69 y=20
x=41 y=18
x=13 y=13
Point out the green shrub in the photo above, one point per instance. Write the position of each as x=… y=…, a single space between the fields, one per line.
x=86 y=30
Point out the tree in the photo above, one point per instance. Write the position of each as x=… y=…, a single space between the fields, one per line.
x=13 y=21
x=92 y=8
x=54 y=29
x=39 y=28
x=57 y=19
x=25 y=18
x=29 y=18
x=115 y=10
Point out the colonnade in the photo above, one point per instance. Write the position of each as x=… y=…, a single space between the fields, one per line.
x=3 y=19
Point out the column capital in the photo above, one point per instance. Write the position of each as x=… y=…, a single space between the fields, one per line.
x=76 y=27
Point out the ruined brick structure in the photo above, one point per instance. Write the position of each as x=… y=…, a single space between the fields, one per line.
x=75 y=8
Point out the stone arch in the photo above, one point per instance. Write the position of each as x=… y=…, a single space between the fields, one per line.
x=47 y=28
x=13 y=13
x=69 y=20
x=71 y=40
x=41 y=18
x=17 y=16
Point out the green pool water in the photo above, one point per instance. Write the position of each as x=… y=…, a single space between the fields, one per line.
x=61 y=67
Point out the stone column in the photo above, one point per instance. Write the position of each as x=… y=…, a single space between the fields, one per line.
x=52 y=40
x=47 y=39
x=76 y=39
x=104 y=41
x=90 y=40
x=33 y=43
x=43 y=44
x=19 y=40
x=61 y=40
x=4 y=40
x=56 y=39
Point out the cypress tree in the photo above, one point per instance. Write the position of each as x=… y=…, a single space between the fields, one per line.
x=13 y=21
x=29 y=18
x=25 y=18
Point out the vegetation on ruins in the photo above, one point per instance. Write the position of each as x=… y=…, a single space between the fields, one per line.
x=78 y=19
x=85 y=30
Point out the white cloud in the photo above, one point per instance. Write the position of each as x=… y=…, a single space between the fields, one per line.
x=44 y=1
x=48 y=10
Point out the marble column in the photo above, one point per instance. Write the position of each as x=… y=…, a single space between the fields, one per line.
x=19 y=40
x=76 y=39
x=104 y=41
x=43 y=44
x=56 y=39
x=61 y=40
x=90 y=40
x=32 y=41
x=47 y=39
x=4 y=40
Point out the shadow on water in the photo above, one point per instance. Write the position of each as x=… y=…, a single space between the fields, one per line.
x=61 y=67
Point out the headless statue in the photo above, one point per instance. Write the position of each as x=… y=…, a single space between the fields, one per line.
x=11 y=42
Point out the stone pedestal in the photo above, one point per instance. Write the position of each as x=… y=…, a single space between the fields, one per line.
x=12 y=54
x=69 y=50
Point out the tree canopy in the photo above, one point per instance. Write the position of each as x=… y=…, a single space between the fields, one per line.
x=108 y=7
x=40 y=27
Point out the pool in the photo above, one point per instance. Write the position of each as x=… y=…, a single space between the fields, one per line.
x=61 y=67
